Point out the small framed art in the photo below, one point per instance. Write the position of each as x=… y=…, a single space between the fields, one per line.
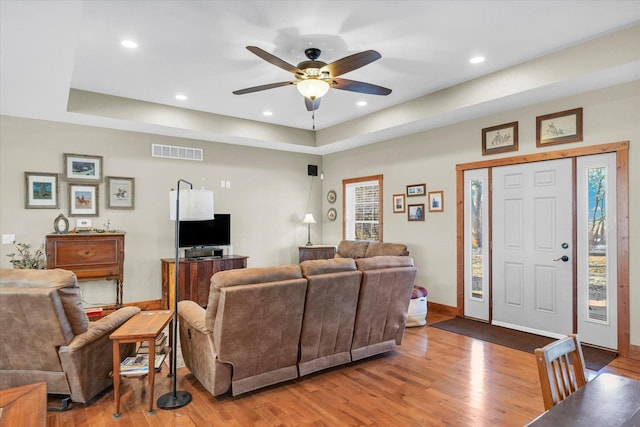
x=500 y=138
x=559 y=128
x=436 y=201
x=83 y=200
x=415 y=212
x=120 y=192
x=398 y=203
x=416 y=190
x=41 y=190
x=80 y=167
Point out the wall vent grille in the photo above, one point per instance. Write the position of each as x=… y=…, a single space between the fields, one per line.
x=174 y=152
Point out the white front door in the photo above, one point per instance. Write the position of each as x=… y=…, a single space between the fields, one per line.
x=532 y=230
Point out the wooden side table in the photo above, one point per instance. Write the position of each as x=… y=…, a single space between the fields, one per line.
x=316 y=252
x=144 y=326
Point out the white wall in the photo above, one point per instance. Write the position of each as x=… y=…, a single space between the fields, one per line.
x=610 y=115
x=267 y=200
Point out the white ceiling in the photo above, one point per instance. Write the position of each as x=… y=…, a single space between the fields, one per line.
x=197 y=48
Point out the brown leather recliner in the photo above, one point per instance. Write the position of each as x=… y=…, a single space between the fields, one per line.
x=45 y=335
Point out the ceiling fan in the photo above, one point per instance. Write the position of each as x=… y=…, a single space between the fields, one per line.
x=314 y=78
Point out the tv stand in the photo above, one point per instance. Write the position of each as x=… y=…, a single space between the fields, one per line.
x=195 y=277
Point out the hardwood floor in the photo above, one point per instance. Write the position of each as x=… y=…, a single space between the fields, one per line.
x=434 y=378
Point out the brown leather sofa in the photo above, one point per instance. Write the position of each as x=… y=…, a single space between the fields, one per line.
x=45 y=335
x=366 y=249
x=272 y=324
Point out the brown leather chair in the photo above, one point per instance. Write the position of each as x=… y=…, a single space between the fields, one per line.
x=46 y=335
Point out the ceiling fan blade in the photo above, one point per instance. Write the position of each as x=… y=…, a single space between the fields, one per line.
x=361 y=87
x=261 y=87
x=352 y=62
x=274 y=60
x=312 y=105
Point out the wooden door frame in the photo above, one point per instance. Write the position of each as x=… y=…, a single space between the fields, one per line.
x=622 y=189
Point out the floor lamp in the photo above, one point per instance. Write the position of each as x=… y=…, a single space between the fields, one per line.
x=197 y=205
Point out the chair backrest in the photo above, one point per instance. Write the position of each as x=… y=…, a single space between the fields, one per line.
x=561 y=369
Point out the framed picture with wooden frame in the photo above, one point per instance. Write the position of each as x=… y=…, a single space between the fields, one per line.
x=415 y=212
x=559 y=128
x=436 y=201
x=120 y=192
x=398 y=203
x=416 y=190
x=80 y=167
x=41 y=190
x=83 y=199
x=500 y=138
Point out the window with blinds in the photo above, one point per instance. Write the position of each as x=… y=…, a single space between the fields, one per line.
x=362 y=208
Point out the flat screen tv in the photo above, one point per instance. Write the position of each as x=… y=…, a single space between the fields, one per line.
x=212 y=232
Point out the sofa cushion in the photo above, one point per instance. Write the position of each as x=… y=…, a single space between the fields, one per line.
x=381 y=248
x=66 y=283
x=353 y=248
x=381 y=262
x=324 y=266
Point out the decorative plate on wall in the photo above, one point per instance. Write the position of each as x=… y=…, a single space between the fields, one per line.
x=332 y=214
x=331 y=196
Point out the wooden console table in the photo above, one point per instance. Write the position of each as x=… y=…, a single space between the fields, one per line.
x=144 y=326
x=91 y=256
x=316 y=252
x=195 y=277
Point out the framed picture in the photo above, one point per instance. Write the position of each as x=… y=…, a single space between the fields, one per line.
x=79 y=167
x=416 y=190
x=120 y=192
x=436 y=201
x=398 y=203
x=415 y=212
x=83 y=200
x=500 y=139
x=41 y=190
x=559 y=128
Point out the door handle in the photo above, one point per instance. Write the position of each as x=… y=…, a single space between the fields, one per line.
x=563 y=258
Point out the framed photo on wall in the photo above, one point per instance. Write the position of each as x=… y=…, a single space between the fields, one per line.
x=83 y=200
x=415 y=212
x=41 y=190
x=80 y=167
x=120 y=192
x=559 y=128
x=500 y=139
x=416 y=190
x=436 y=201
x=398 y=203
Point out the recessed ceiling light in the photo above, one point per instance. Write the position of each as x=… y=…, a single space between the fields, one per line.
x=477 y=59
x=181 y=97
x=361 y=103
x=129 y=43
x=267 y=113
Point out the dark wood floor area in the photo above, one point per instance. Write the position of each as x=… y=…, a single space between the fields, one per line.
x=436 y=378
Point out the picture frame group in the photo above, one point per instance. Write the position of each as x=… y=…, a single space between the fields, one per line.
x=84 y=175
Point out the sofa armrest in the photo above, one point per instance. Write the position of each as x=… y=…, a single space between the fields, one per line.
x=194 y=315
x=98 y=329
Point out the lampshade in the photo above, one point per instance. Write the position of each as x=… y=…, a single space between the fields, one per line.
x=195 y=205
x=313 y=88
x=309 y=219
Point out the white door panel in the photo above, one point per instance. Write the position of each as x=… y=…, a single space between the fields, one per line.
x=532 y=219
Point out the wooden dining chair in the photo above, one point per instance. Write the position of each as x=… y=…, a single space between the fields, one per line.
x=561 y=369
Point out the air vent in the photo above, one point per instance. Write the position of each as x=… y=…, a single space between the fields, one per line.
x=173 y=152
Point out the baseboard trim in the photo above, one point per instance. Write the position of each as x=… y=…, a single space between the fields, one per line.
x=442 y=309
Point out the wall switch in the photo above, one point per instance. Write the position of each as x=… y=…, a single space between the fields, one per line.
x=222 y=183
x=228 y=184
x=8 y=239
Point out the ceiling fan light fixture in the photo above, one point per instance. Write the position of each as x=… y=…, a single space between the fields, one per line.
x=313 y=88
